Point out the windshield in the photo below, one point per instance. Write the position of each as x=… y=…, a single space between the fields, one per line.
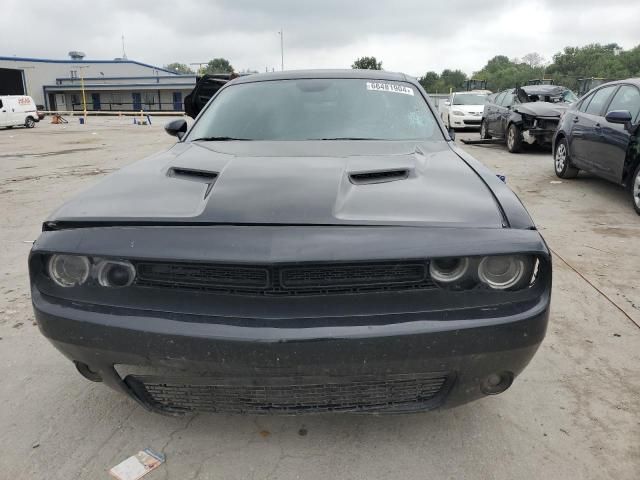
x=317 y=109
x=569 y=97
x=469 y=98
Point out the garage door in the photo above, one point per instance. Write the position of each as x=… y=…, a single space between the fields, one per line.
x=11 y=82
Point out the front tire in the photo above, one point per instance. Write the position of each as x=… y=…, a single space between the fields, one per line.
x=562 y=161
x=514 y=138
x=484 y=132
x=635 y=190
x=29 y=122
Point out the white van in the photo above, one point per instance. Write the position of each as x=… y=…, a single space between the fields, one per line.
x=18 y=110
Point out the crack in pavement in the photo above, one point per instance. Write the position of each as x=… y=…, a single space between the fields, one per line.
x=619 y=308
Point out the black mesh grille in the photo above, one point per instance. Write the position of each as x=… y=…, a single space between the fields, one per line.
x=357 y=395
x=202 y=274
x=287 y=280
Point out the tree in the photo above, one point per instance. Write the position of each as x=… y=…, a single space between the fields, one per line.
x=501 y=73
x=429 y=81
x=180 y=68
x=218 y=65
x=452 y=80
x=367 y=63
x=533 y=59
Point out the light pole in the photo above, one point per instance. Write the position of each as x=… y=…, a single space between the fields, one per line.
x=84 y=97
x=281 y=33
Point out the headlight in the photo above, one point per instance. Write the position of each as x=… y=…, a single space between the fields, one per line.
x=69 y=270
x=112 y=273
x=504 y=271
x=447 y=270
x=458 y=112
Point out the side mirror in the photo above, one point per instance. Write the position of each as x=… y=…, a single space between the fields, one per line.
x=452 y=133
x=622 y=117
x=447 y=103
x=176 y=128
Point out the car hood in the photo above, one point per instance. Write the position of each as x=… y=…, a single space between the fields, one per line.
x=542 y=109
x=306 y=183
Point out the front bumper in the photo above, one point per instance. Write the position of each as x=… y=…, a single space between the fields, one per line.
x=391 y=351
x=173 y=364
x=465 y=121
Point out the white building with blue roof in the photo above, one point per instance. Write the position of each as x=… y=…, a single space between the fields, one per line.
x=109 y=85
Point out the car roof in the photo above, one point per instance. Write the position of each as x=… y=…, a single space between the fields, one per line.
x=544 y=89
x=635 y=81
x=342 y=73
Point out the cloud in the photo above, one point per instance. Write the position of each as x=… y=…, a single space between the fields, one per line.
x=410 y=35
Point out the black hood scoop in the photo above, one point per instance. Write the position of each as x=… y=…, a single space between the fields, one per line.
x=378 y=176
x=194 y=175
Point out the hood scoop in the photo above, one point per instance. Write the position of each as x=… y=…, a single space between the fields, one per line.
x=194 y=175
x=378 y=176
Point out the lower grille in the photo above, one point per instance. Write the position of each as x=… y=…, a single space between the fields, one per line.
x=472 y=122
x=392 y=392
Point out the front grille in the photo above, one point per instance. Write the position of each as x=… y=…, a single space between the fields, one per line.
x=305 y=279
x=392 y=392
x=472 y=122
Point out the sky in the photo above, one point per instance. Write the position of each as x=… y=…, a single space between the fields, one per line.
x=410 y=36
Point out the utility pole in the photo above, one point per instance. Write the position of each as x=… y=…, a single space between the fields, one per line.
x=281 y=32
x=124 y=53
x=84 y=98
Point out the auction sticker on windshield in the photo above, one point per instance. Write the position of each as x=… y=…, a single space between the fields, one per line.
x=389 y=87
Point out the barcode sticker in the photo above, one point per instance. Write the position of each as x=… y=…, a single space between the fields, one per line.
x=389 y=87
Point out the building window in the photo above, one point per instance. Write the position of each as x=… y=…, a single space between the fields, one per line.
x=73 y=73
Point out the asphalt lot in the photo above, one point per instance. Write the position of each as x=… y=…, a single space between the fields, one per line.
x=574 y=413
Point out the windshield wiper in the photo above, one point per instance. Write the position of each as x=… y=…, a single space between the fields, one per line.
x=219 y=139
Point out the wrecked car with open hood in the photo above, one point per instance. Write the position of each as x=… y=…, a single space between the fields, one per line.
x=315 y=242
x=528 y=114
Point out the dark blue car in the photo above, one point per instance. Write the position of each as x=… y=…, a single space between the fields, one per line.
x=599 y=134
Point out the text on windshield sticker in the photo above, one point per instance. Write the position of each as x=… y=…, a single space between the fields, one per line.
x=389 y=87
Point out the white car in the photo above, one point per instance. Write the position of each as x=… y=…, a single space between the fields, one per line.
x=464 y=109
x=18 y=110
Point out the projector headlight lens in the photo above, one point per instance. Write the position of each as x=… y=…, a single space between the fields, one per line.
x=448 y=270
x=503 y=272
x=69 y=270
x=115 y=274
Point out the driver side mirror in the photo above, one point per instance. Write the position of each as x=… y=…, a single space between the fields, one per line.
x=176 y=128
x=452 y=133
x=622 y=117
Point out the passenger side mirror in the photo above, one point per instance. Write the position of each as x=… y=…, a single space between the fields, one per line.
x=176 y=128
x=622 y=117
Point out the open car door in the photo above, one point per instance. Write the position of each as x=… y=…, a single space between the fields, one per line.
x=206 y=87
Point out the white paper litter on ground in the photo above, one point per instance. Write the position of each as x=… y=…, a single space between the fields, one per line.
x=138 y=465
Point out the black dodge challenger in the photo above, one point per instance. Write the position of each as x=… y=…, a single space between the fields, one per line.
x=314 y=243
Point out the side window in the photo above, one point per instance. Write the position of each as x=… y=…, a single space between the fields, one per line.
x=585 y=103
x=627 y=98
x=499 y=97
x=507 y=100
x=599 y=100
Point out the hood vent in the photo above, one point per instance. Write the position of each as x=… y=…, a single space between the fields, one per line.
x=379 y=176
x=194 y=175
